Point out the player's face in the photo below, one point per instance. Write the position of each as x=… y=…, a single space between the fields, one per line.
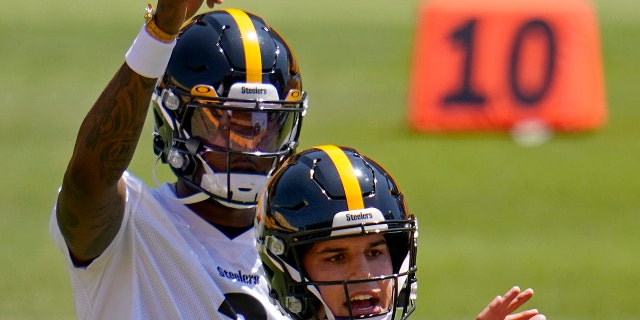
x=240 y=131
x=350 y=259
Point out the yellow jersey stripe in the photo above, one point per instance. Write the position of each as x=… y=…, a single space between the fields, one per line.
x=253 y=58
x=347 y=176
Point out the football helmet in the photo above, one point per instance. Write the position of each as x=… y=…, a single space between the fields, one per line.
x=328 y=193
x=229 y=108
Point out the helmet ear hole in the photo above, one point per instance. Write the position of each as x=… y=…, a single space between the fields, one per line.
x=158 y=146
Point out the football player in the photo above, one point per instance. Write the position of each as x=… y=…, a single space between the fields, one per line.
x=337 y=241
x=228 y=105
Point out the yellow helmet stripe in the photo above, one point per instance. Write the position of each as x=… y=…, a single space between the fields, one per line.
x=253 y=59
x=347 y=176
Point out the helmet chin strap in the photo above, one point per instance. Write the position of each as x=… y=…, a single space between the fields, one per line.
x=198 y=197
x=212 y=181
x=216 y=183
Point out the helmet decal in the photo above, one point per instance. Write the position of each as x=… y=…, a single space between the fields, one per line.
x=366 y=216
x=347 y=176
x=249 y=36
x=203 y=90
x=262 y=91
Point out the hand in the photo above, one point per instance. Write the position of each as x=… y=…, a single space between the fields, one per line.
x=502 y=307
x=194 y=5
x=171 y=14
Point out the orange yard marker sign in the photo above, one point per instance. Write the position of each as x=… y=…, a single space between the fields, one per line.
x=492 y=64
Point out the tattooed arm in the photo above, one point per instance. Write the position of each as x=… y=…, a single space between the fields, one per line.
x=91 y=201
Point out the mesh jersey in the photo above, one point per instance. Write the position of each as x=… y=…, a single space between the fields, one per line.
x=168 y=263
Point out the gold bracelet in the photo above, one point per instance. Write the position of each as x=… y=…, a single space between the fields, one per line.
x=153 y=29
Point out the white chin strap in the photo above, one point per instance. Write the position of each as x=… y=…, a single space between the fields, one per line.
x=198 y=197
x=244 y=187
x=214 y=183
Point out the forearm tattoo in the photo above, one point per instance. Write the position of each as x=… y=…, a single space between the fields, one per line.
x=117 y=123
x=89 y=207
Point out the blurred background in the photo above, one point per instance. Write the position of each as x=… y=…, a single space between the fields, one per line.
x=561 y=217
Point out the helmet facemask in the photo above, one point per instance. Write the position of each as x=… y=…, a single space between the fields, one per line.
x=394 y=290
x=227 y=148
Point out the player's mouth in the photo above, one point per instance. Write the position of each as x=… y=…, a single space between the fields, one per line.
x=364 y=304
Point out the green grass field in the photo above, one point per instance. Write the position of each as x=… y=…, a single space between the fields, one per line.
x=561 y=218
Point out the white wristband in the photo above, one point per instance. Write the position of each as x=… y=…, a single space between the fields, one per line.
x=148 y=56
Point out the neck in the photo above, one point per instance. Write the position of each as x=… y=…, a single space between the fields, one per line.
x=214 y=212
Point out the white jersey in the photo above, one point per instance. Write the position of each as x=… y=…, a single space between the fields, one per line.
x=168 y=263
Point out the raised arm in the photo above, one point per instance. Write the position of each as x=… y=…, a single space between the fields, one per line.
x=91 y=200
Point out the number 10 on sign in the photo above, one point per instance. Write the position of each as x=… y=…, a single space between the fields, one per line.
x=491 y=70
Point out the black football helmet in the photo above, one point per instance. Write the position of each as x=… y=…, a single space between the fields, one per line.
x=229 y=107
x=326 y=193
